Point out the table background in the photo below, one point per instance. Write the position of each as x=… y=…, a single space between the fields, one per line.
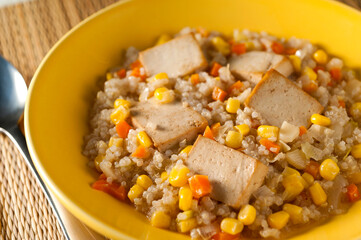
x=27 y=31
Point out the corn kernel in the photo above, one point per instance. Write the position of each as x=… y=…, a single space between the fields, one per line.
x=233 y=105
x=294 y=185
x=265 y=131
x=159 y=76
x=278 y=220
x=355 y=110
x=187 y=149
x=121 y=102
x=320 y=120
x=239 y=36
x=318 y=194
x=178 y=176
x=164 y=95
x=164 y=176
x=243 y=128
x=249 y=45
x=247 y=214
x=329 y=169
x=356 y=151
x=144 y=139
x=144 y=181
x=295 y=212
x=231 y=226
x=308 y=178
x=160 y=219
x=109 y=76
x=115 y=141
x=185 y=198
x=290 y=171
x=119 y=114
x=310 y=73
x=185 y=215
x=355 y=178
x=320 y=56
x=186 y=225
x=234 y=139
x=135 y=192
x=221 y=45
x=163 y=39
x=296 y=62
x=97 y=162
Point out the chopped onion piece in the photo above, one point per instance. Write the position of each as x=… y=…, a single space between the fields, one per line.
x=288 y=132
x=297 y=159
x=311 y=151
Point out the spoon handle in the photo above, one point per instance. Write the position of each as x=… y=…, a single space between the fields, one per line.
x=72 y=227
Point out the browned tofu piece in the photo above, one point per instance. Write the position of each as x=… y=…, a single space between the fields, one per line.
x=278 y=99
x=251 y=66
x=167 y=124
x=177 y=57
x=234 y=176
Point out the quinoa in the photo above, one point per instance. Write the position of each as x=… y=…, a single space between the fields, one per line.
x=338 y=94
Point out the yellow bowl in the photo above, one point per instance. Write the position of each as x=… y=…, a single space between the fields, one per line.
x=63 y=88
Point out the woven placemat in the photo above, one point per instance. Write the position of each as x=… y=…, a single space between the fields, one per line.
x=27 y=32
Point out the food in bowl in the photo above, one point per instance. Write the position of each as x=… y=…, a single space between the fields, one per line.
x=221 y=137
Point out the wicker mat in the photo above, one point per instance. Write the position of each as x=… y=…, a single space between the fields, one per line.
x=27 y=32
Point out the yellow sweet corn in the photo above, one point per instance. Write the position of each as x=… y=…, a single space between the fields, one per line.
x=135 y=192
x=109 y=76
x=178 y=176
x=320 y=56
x=97 y=162
x=164 y=95
x=329 y=169
x=295 y=212
x=160 y=219
x=247 y=214
x=355 y=110
x=185 y=198
x=290 y=171
x=185 y=215
x=310 y=73
x=355 y=178
x=187 y=149
x=186 y=225
x=265 y=131
x=233 y=105
x=308 y=179
x=164 y=176
x=318 y=194
x=115 y=141
x=163 y=39
x=356 y=151
x=234 y=139
x=144 y=181
x=243 y=128
x=320 y=120
x=249 y=45
x=121 y=102
x=296 y=62
x=159 y=76
x=278 y=220
x=231 y=226
x=144 y=139
x=294 y=185
x=221 y=45
x=119 y=114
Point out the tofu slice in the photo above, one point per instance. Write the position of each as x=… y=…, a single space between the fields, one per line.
x=252 y=65
x=177 y=57
x=234 y=176
x=278 y=99
x=167 y=124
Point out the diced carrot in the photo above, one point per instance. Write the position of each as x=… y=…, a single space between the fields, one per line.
x=303 y=130
x=352 y=193
x=136 y=73
x=290 y=50
x=310 y=87
x=226 y=236
x=271 y=146
x=194 y=79
x=112 y=189
x=122 y=73
x=277 y=48
x=135 y=64
x=214 y=70
x=140 y=152
x=123 y=129
x=313 y=168
x=200 y=185
x=319 y=68
x=215 y=128
x=238 y=48
x=208 y=133
x=218 y=94
x=102 y=177
x=341 y=103
x=336 y=74
x=235 y=86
